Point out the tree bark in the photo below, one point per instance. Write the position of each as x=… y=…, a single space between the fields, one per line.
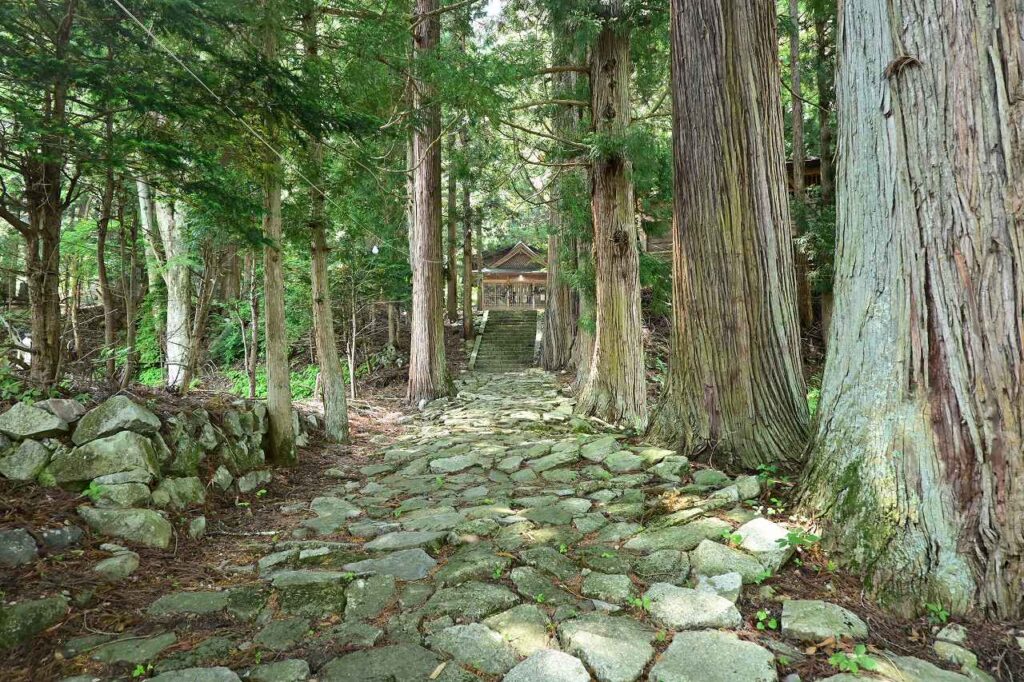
x=451 y=272
x=213 y=260
x=131 y=301
x=616 y=389
x=804 y=300
x=154 y=259
x=735 y=386
x=428 y=373
x=178 y=281
x=253 y=348
x=107 y=297
x=280 y=441
x=467 y=248
x=583 y=344
x=917 y=465
x=332 y=378
x=826 y=86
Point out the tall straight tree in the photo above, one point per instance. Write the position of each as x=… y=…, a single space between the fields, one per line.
x=804 y=301
x=616 y=388
x=467 y=244
x=428 y=373
x=917 y=464
x=332 y=379
x=451 y=272
x=734 y=385
x=281 y=437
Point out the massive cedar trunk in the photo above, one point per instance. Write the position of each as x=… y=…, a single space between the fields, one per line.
x=616 y=388
x=562 y=310
x=428 y=373
x=804 y=301
x=280 y=442
x=734 y=385
x=451 y=272
x=917 y=465
x=332 y=378
x=467 y=248
x=825 y=86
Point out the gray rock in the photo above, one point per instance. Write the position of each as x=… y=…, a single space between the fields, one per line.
x=116 y=414
x=549 y=666
x=311 y=593
x=910 y=669
x=615 y=589
x=68 y=410
x=333 y=513
x=624 y=461
x=471 y=601
x=17 y=547
x=406 y=540
x=122 y=495
x=289 y=670
x=954 y=653
x=671 y=468
x=710 y=477
x=25 y=463
x=615 y=648
x=475 y=645
x=555 y=459
x=681 y=608
x=713 y=558
x=664 y=566
x=407 y=564
x=598 y=450
x=760 y=538
x=24 y=620
x=726 y=585
x=683 y=538
x=383 y=664
x=748 y=487
x=370 y=528
x=24 y=421
x=953 y=633
x=712 y=656
x=218 y=674
x=59 y=539
x=197 y=527
x=281 y=635
x=188 y=604
x=524 y=627
x=450 y=465
x=253 y=480
x=179 y=493
x=537 y=586
x=808 y=620
x=472 y=562
x=367 y=597
x=133 y=650
x=142 y=526
x=124 y=451
x=222 y=478
x=118 y=567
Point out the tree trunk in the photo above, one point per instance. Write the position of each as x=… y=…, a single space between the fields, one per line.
x=131 y=302
x=451 y=272
x=154 y=258
x=467 y=248
x=428 y=374
x=213 y=261
x=583 y=344
x=804 y=300
x=825 y=85
x=917 y=466
x=616 y=389
x=735 y=386
x=332 y=378
x=280 y=442
x=392 y=324
x=107 y=297
x=177 y=280
x=252 y=358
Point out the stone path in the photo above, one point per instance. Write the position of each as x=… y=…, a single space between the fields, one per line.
x=501 y=538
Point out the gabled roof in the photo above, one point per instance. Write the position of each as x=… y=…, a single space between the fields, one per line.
x=520 y=258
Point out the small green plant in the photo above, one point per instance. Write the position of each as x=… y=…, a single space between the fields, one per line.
x=831 y=566
x=854 y=661
x=94 y=492
x=766 y=472
x=540 y=598
x=766 y=621
x=732 y=538
x=798 y=539
x=239 y=503
x=642 y=603
x=141 y=670
x=496 y=574
x=488 y=500
x=661 y=636
x=439 y=481
x=607 y=555
x=563 y=548
x=937 y=613
x=348 y=575
x=763 y=575
x=261 y=492
x=813 y=399
x=258 y=656
x=783 y=660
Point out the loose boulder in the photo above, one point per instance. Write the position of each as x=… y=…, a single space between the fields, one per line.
x=25 y=421
x=116 y=414
x=68 y=410
x=124 y=451
x=22 y=621
x=141 y=526
x=25 y=463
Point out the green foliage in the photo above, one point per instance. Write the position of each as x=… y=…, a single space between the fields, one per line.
x=94 y=492
x=732 y=538
x=641 y=603
x=765 y=620
x=12 y=387
x=854 y=661
x=813 y=400
x=798 y=539
x=303 y=382
x=937 y=613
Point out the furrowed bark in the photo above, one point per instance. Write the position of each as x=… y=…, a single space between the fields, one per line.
x=451 y=272
x=734 y=387
x=467 y=249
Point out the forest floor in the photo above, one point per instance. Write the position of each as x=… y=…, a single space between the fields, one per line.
x=490 y=536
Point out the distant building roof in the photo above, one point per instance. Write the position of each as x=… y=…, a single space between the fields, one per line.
x=517 y=258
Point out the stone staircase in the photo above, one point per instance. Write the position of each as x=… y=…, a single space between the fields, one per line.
x=508 y=340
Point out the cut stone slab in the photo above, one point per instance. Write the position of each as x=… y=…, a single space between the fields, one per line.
x=713 y=558
x=713 y=656
x=671 y=468
x=367 y=597
x=311 y=593
x=450 y=465
x=555 y=459
x=550 y=560
x=289 y=670
x=475 y=645
x=179 y=493
x=142 y=526
x=281 y=635
x=384 y=664
x=68 y=410
x=536 y=586
x=124 y=451
x=17 y=547
x=116 y=414
x=25 y=463
x=332 y=515
x=445 y=520
x=598 y=450
x=615 y=648
x=664 y=566
x=588 y=523
x=524 y=627
x=472 y=562
x=407 y=564
x=683 y=538
x=59 y=539
x=470 y=601
x=810 y=620
x=188 y=603
x=760 y=538
x=123 y=495
x=406 y=539
x=681 y=608
x=615 y=589
x=549 y=666
x=24 y=620
x=218 y=674
x=25 y=421
x=133 y=650
x=624 y=461
x=710 y=477
x=726 y=585
x=910 y=669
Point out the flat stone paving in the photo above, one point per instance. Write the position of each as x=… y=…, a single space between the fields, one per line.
x=500 y=538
